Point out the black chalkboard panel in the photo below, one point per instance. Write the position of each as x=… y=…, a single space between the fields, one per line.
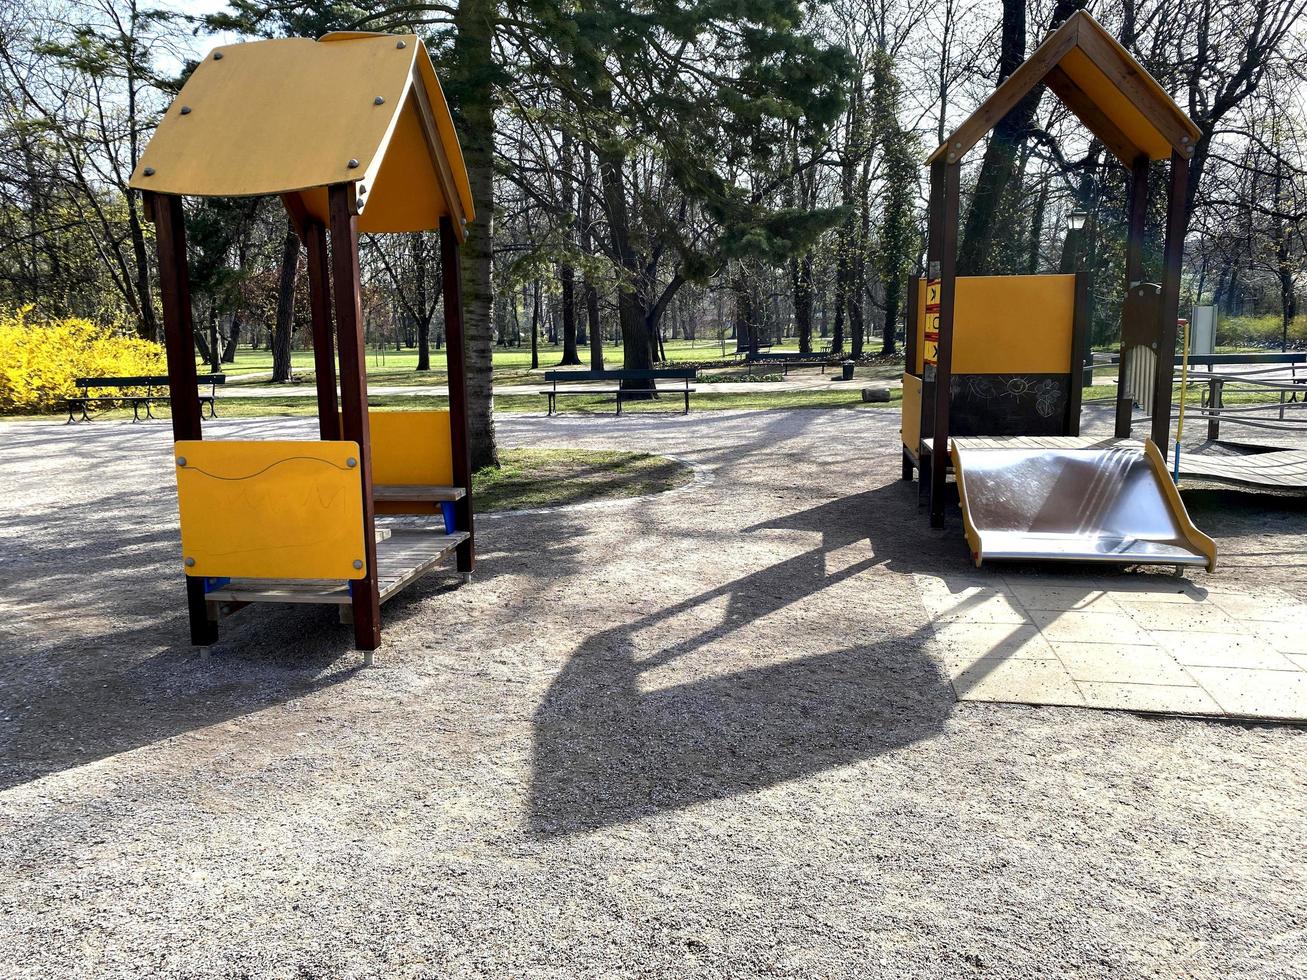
x=1009 y=404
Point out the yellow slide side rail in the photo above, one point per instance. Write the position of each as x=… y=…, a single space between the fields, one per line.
x=1201 y=542
x=281 y=510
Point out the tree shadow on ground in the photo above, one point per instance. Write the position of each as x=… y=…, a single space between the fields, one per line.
x=608 y=750
x=96 y=655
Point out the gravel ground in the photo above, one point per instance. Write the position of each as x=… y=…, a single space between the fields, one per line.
x=700 y=735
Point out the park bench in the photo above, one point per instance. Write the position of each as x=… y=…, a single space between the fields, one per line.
x=619 y=393
x=156 y=392
x=788 y=359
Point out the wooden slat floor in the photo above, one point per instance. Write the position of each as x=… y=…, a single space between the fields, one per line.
x=404 y=556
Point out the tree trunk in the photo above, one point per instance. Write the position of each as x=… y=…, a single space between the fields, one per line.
x=233 y=341
x=594 y=327
x=472 y=93
x=535 y=327
x=801 y=280
x=567 y=281
x=893 y=307
x=637 y=344
x=422 y=313
x=285 y=325
x=998 y=165
x=148 y=327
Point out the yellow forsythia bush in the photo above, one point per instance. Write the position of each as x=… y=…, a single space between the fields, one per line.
x=39 y=359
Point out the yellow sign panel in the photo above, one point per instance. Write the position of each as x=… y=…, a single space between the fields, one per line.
x=271 y=509
x=930 y=339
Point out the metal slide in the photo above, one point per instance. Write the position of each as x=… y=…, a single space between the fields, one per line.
x=1115 y=505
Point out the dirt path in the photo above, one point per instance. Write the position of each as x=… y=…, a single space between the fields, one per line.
x=706 y=735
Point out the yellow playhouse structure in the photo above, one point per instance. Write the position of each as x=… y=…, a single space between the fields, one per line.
x=353 y=133
x=991 y=389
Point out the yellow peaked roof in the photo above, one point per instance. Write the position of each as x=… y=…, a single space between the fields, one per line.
x=293 y=116
x=1098 y=80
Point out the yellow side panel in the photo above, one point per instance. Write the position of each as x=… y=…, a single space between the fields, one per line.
x=271 y=509
x=911 y=424
x=411 y=448
x=921 y=325
x=1116 y=105
x=1008 y=324
x=1014 y=324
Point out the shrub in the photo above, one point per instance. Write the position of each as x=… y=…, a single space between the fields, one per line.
x=1263 y=331
x=40 y=358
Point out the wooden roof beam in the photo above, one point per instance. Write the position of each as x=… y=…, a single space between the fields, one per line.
x=1078 y=101
x=1115 y=62
x=1003 y=99
x=444 y=172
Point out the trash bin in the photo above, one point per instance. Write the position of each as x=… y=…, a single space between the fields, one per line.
x=847 y=374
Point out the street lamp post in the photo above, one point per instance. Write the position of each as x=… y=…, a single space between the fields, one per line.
x=1078 y=225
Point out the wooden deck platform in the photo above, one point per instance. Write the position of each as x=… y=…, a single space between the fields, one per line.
x=403 y=556
x=408 y=493
x=1276 y=470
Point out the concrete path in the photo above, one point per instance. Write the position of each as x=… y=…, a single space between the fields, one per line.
x=707 y=735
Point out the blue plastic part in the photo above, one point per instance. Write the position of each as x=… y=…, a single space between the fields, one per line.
x=447 y=509
x=214 y=584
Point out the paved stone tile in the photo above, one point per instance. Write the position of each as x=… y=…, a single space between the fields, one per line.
x=1263 y=609
x=1077 y=626
x=978 y=608
x=971 y=641
x=1243 y=649
x=1121 y=664
x=1146 y=643
x=1180 y=594
x=1203 y=617
x=1151 y=588
x=1256 y=693
x=1018 y=681
x=1149 y=697
x=1284 y=637
x=1062 y=597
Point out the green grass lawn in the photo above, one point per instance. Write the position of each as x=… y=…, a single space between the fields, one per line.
x=556 y=477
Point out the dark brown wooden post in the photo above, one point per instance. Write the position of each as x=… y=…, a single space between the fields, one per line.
x=1134 y=273
x=948 y=281
x=354 y=398
x=934 y=243
x=460 y=446
x=324 y=358
x=1176 y=223
x=179 y=343
x=1080 y=328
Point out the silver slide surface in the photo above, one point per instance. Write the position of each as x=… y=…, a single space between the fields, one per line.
x=1113 y=505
